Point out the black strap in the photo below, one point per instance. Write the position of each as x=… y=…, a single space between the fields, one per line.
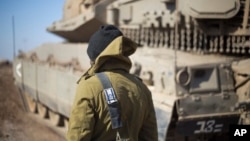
x=111 y=101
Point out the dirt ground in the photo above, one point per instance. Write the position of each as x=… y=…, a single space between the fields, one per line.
x=15 y=123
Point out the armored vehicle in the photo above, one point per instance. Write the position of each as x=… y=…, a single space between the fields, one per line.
x=193 y=55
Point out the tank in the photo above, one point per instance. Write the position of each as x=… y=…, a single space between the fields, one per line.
x=193 y=55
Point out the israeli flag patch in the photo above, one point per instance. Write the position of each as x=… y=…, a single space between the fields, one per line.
x=110 y=95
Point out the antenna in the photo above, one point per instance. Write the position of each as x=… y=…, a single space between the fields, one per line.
x=176 y=36
x=13 y=32
x=175 y=46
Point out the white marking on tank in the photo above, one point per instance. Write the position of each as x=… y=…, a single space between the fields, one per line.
x=18 y=66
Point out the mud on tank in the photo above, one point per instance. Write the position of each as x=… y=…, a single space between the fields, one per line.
x=193 y=55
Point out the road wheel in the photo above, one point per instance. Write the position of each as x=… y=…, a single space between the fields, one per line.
x=42 y=110
x=66 y=123
x=55 y=118
x=31 y=103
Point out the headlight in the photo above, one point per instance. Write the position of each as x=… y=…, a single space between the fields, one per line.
x=183 y=77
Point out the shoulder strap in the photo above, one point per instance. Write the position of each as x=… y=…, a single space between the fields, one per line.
x=111 y=101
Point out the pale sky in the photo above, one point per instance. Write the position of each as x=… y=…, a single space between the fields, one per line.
x=31 y=18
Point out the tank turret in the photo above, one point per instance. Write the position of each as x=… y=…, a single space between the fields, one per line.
x=205 y=26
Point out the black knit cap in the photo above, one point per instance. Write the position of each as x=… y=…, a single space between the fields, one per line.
x=101 y=39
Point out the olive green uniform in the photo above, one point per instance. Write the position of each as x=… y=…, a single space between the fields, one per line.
x=90 y=119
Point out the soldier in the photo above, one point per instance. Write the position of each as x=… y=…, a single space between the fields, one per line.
x=110 y=103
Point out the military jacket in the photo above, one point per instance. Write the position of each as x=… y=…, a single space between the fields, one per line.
x=90 y=119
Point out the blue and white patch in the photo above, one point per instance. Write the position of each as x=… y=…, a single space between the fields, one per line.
x=110 y=95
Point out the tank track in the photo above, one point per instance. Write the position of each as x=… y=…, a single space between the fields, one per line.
x=189 y=40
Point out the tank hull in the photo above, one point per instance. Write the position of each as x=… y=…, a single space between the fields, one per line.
x=53 y=83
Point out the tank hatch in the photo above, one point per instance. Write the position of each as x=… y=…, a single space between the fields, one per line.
x=211 y=9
